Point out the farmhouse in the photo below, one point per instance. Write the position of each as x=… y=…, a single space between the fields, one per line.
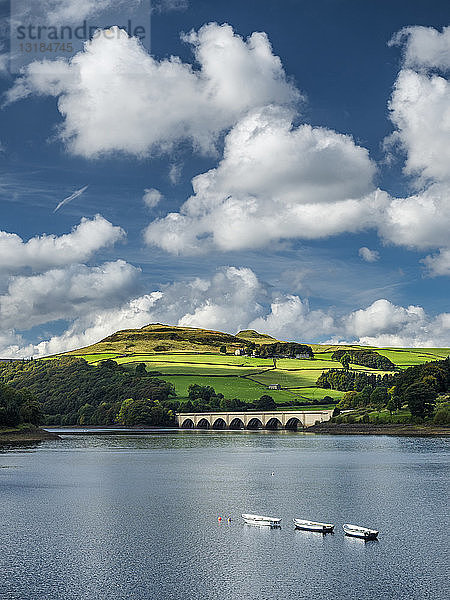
x=239 y=352
x=274 y=386
x=302 y=355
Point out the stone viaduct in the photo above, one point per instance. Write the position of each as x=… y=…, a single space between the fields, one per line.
x=278 y=419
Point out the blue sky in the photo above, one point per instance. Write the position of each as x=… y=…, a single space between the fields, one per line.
x=318 y=150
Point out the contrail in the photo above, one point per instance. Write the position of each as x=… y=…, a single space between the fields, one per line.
x=71 y=197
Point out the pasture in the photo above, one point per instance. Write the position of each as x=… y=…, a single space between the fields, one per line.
x=248 y=378
x=243 y=377
x=409 y=357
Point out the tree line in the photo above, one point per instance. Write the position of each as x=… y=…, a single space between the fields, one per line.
x=366 y=358
x=339 y=379
x=204 y=398
x=283 y=349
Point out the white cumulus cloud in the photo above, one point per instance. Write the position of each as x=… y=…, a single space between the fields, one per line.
x=277 y=180
x=274 y=181
x=418 y=221
x=65 y=293
x=114 y=96
x=439 y=263
x=48 y=251
x=424 y=47
x=43 y=280
x=382 y=317
x=386 y=324
x=291 y=318
x=420 y=110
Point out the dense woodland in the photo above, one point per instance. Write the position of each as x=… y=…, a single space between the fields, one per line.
x=282 y=349
x=340 y=379
x=18 y=406
x=70 y=392
x=366 y=358
x=422 y=389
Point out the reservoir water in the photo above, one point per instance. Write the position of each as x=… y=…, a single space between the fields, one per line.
x=136 y=517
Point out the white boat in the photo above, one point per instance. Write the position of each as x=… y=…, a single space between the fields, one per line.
x=313 y=526
x=361 y=532
x=261 y=521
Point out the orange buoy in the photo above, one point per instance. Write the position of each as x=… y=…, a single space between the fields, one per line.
x=219 y=519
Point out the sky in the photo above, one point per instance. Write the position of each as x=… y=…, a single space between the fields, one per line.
x=279 y=166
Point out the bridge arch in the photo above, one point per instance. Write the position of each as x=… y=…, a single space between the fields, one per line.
x=219 y=424
x=254 y=423
x=293 y=424
x=237 y=423
x=203 y=424
x=187 y=424
x=274 y=423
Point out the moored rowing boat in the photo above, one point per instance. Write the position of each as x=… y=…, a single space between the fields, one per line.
x=361 y=532
x=313 y=526
x=261 y=521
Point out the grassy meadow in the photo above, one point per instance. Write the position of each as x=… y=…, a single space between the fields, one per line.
x=242 y=377
x=185 y=356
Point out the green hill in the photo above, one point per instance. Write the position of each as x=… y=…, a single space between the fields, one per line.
x=189 y=355
x=157 y=338
x=185 y=356
x=162 y=338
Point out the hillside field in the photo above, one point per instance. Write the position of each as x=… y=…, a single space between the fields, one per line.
x=186 y=356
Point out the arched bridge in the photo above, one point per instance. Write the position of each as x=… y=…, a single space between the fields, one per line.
x=278 y=419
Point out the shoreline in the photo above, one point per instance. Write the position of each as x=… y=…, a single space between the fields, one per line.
x=374 y=429
x=324 y=428
x=105 y=430
x=11 y=436
x=29 y=435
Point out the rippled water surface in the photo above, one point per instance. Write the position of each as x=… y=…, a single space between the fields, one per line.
x=115 y=517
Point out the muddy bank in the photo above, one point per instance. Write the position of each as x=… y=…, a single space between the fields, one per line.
x=373 y=429
x=10 y=436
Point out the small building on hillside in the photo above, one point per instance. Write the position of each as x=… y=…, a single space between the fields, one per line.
x=239 y=352
x=302 y=355
x=274 y=386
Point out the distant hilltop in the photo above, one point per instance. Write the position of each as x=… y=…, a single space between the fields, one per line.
x=158 y=337
x=161 y=338
x=258 y=338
